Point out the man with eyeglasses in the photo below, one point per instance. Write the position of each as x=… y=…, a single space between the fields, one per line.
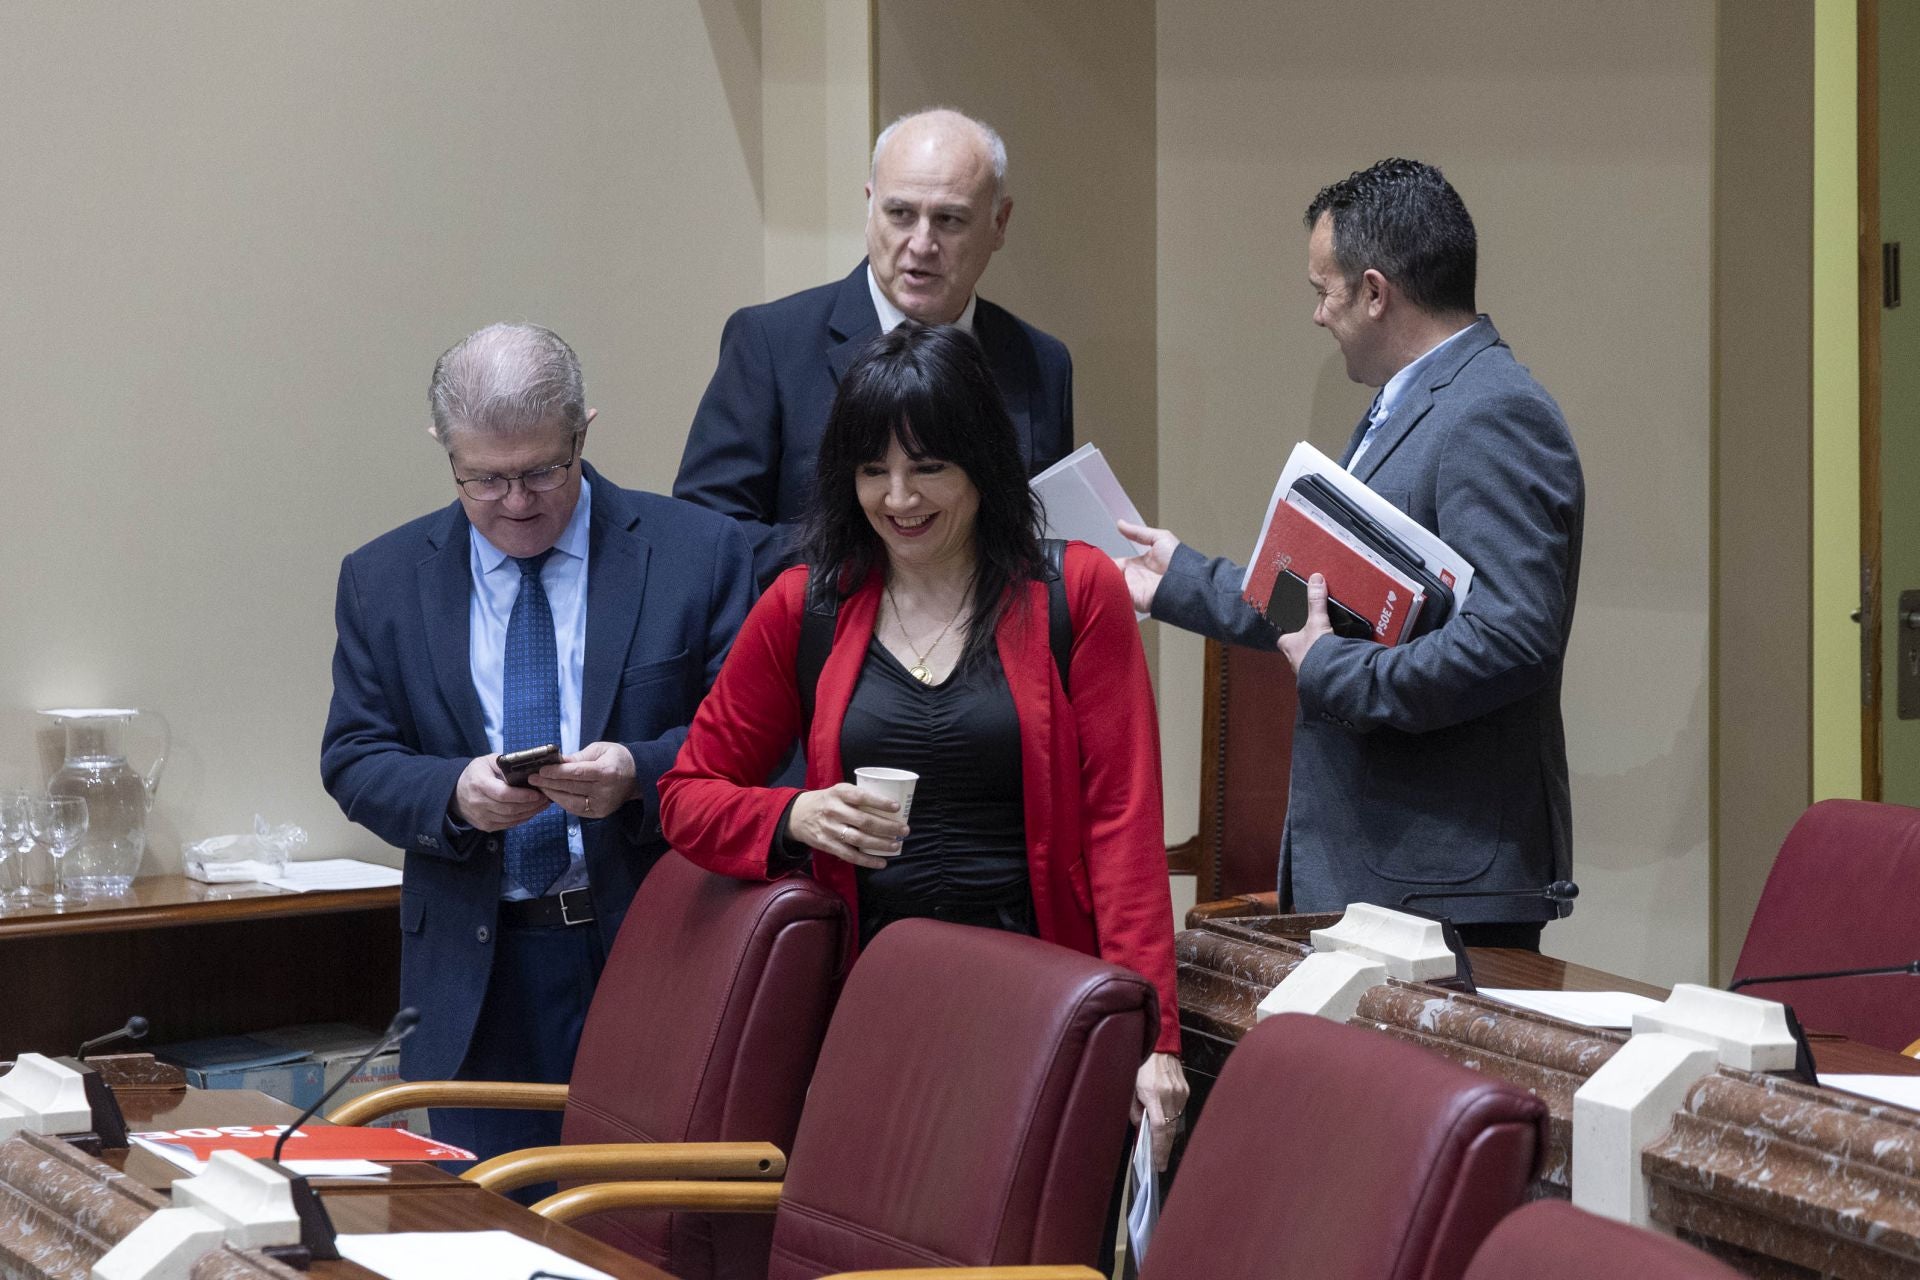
x=545 y=605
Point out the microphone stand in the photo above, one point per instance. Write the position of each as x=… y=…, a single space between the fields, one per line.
x=316 y=1228
x=109 y=1132
x=1559 y=892
x=1911 y=968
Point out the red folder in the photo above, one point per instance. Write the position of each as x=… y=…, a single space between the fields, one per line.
x=1375 y=600
x=316 y=1142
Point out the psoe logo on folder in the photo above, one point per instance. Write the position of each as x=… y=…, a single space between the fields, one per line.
x=1386 y=614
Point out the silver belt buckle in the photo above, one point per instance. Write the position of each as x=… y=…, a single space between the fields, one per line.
x=569 y=898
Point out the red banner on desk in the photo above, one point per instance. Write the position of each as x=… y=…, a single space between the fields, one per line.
x=320 y=1142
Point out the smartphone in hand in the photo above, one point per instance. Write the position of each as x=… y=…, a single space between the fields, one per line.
x=517 y=766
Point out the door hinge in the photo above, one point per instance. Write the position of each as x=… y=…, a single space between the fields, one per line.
x=1890 y=274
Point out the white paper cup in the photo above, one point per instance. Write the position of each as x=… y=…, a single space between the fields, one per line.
x=889 y=784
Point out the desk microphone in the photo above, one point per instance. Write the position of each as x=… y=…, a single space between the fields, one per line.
x=316 y=1228
x=1560 y=893
x=135 y=1029
x=399 y=1029
x=1911 y=967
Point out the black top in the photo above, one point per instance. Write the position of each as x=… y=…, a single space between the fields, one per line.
x=965 y=857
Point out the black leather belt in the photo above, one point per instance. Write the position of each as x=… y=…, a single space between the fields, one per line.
x=574 y=906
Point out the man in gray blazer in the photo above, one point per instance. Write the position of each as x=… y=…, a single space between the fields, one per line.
x=1439 y=764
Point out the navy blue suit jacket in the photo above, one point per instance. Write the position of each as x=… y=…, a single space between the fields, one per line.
x=756 y=437
x=1439 y=764
x=667 y=587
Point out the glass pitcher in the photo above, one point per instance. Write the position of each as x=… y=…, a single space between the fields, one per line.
x=95 y=768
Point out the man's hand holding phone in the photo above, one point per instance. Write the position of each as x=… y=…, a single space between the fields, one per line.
x=485 y=799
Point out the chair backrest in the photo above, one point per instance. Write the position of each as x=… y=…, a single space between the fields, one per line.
x=704 y=1028
x=1840 y=896
x=1246 y=740
x=1552 y=1240
x=969 y=1109
x=1331 y=1150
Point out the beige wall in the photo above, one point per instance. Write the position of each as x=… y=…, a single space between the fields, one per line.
x=234 y=239
x=1581 y=139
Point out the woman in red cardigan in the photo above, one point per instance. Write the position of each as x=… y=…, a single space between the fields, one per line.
x=1036 y=811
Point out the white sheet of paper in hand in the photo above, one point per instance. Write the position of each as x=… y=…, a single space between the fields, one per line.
x=1586 y=1008
x=1901 y=1091
x=471 y=1255
x=1144 y=1213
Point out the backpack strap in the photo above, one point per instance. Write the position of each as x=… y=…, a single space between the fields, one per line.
x=816 y=639
x=823 y=610
x=1059 y=621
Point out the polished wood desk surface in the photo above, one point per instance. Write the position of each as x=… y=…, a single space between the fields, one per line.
x=1527 y=970
x=414 y=1197
x=158 y=902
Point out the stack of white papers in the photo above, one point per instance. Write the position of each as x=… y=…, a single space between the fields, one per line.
x=1901 y=1091
x=471 y=1255
x=1584 y=1008
x=335 y=873
x=1082 y=499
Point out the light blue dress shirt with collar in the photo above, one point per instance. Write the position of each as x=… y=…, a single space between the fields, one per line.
x=496 y=583
x=1396 y=390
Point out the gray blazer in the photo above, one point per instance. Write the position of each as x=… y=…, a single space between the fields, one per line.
x=1440 y=763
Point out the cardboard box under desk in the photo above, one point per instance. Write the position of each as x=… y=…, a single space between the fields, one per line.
x=336 y=1046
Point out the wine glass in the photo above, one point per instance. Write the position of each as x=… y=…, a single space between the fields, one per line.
x=16 y=832
x=60 y=821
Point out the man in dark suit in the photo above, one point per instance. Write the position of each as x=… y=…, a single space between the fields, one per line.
x=545 y=605
x=937 y=209
x=1439 y=764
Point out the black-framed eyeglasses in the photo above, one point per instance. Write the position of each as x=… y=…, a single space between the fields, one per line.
x=538 y=480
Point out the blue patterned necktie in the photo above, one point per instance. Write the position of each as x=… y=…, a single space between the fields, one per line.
x=537 y=848
x=1373 y=420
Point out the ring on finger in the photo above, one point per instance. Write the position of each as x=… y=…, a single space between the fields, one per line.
x=846 y=834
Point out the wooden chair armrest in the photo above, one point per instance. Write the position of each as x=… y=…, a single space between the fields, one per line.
x=494 y=1094
x=677 y=1197
x=605 y=1161
x=974 y=1273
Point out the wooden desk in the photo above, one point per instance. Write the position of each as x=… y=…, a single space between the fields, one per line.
x=1779 y=1179
x=196 y=960
x=414 y=1197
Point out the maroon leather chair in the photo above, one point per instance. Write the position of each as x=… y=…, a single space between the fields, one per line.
x=1840 y=896
x=1331 y=1150
x=969 y=1108
x=704 y=1028
x=1552 y=1240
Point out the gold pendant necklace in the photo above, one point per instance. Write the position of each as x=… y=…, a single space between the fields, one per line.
x=919 y=670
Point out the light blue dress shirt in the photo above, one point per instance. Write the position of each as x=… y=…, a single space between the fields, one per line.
x=496 y=582
x=1396 y=390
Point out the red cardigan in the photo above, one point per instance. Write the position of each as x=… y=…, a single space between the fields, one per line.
x=1095 y=839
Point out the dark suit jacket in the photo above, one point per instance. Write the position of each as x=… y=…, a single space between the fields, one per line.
x=667 y=587
x=1440 y=763
x=756 y=437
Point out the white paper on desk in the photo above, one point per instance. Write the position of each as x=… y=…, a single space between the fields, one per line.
x=471 y=1255
x=1587 y=1008
x=181 y=1158
x=1143 y=1215
x=335 y=873
x=1441 y=560
x=1901 y=1091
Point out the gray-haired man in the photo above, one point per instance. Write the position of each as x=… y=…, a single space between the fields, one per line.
x=937 y=210
x=544 y=605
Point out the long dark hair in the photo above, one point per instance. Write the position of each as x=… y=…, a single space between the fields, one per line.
x=929 y=387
